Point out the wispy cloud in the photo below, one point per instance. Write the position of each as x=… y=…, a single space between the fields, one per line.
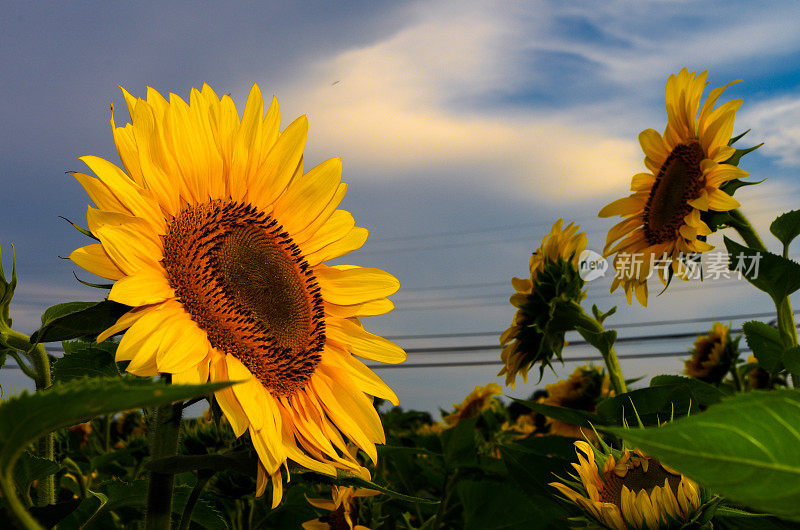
x=777 y=121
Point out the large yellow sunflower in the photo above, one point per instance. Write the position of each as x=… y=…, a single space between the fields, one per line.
x=216 y=237
x=632 y=491
x=686 y=168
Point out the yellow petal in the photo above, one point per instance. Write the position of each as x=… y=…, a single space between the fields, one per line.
x=351 y=336
x=274 y=174
x=146 y=287
x=129 y=241
x=354 y=240
x=94 y=259
x=354 y=286
x=625 y=207
x=307 y=196
x=366 y=309
x=720 y=201
x=227 y=400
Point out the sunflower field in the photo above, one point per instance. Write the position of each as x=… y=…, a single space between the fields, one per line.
x=218 y=381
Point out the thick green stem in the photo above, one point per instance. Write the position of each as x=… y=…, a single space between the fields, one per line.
x=23 y=518
x=163 y=443
x=609 y=355
x=46 y=492
x=786 y=323
x=191 y=502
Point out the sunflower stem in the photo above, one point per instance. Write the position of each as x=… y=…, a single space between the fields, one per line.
x=609 y=355
x=786 y=323
x=194 y=496
x=163 y=443
x=45 y=490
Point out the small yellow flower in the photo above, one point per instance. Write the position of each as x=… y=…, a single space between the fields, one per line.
x=634 y=491
x=686 y=169
x=340 y=508
x=480 y=399
x=711 y=355
x=553 y=275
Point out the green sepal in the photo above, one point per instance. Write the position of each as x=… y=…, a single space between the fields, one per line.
x=80 y=229
x=7 y=290
x=738 y=137
x=600 y=316
x=737 y=155
x=95 y=285
x=73 y=320
x=765 y=341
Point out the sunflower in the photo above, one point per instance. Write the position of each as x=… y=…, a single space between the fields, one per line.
x=554 y=276
x=480 y=399
x=340 y=508
x=712 y=355
x=216 y=237
x=686 y=169
x=632 y=491
x=580 y=391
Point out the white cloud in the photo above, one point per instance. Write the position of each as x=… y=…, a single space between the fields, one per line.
x=777 y=121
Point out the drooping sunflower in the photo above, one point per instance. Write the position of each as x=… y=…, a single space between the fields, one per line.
x=554 y=276
x=712 y=355
x=216 y=237
x=686 y=169
x=632 y=491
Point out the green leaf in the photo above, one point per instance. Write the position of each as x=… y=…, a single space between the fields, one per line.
x=775 y=275
x=77 y=319
x=786 y=227
x=29 y=468
x=533 y=463
x=765 y=341
x=791 y=359
x=347 y=479
x=66 y=404
x=82 y=360
x=458 y=445
x=667 y=398
x=602 y=341
x=87 y=510
x=744 y=448
x=491 y=505
x=571 y=416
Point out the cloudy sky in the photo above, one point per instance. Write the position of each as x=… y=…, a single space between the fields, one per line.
x=466 y=129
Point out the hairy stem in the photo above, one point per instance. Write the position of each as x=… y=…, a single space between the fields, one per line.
x=609 y=356
x=163 y=443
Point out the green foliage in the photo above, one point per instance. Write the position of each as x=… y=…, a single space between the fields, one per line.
x=29 y=468
x=86 y=359
x=786 y=227
x=775 y=275
x=765 y=341
x=744 y=448
x=73 y=320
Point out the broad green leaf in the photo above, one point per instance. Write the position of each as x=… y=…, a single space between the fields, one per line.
x=458 y=445
x=744 y=448
x=658 y=403
x=765 y=341
x=534 y=463
x=492 y=505
x=729 y=518
x=77 y=319
x=571 y=416
x=706 y=393
x=66 y=404
x=29 y=468
x=88 y=510
x=82 y=360
x=786 y=227
x=775 y=275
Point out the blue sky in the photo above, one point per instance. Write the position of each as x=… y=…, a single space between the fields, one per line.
x=466 y=129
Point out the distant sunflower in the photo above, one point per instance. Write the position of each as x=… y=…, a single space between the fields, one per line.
x=480 y=399
x=217 y=238
x=632 y=491
x=580 y=391
x=553 y=276
x=686 y=168
x=712 y=355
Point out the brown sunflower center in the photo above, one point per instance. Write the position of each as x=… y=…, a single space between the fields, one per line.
x=637 y=479
x=244 y=281
x=678 y=181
